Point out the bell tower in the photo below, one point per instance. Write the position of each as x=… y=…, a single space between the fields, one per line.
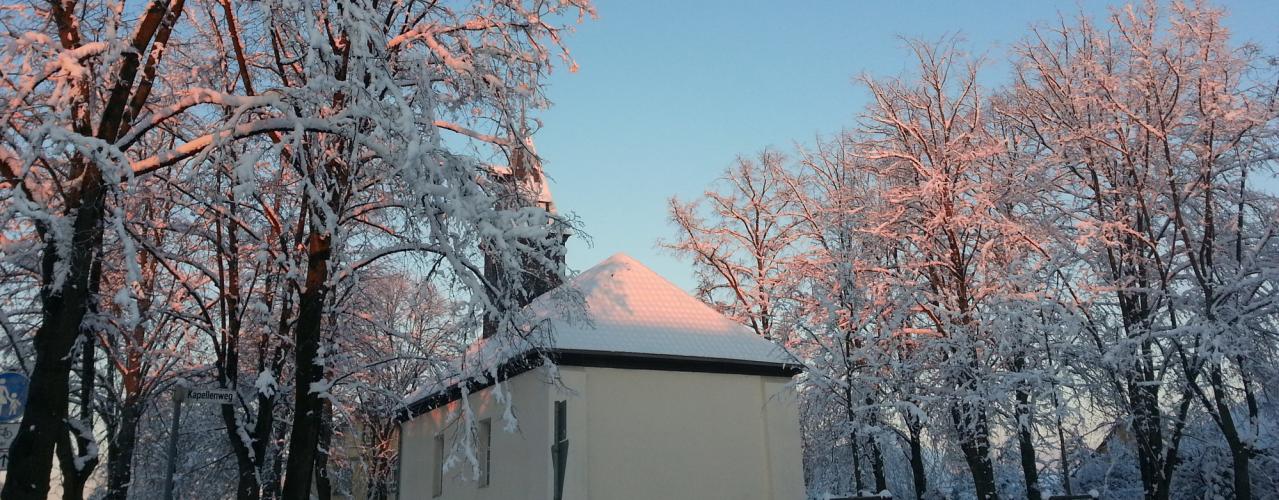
x=524 y=184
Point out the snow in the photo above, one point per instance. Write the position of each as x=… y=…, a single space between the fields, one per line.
x=265 y=383
x=90 y=453
x=631 y=309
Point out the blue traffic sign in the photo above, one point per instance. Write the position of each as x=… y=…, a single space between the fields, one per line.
x=13 y=395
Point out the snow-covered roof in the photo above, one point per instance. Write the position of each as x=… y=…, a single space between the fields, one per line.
x=632 y=310
x=630 y=313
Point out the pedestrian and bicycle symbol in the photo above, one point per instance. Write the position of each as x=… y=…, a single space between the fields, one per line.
x=13 y=400
x=13 y=396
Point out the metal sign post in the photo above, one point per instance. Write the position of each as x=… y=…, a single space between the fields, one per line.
x=180 y=395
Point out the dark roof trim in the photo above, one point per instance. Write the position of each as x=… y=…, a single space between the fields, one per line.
x=662 y=362
x=597 y=359
x=506 y=370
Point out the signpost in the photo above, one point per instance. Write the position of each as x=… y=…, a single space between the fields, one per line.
x=181 y=394
x=13 y=400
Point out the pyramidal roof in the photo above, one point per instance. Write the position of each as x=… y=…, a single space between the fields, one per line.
x=632 y=310
x=633 y=318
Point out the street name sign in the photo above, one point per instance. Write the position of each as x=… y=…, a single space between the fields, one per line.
x=220 y=396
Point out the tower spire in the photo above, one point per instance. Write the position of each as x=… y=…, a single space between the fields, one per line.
x=526 y=186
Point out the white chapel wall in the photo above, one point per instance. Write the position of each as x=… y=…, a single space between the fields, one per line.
x=515 y=473
x=682 y=435
x=633 y=434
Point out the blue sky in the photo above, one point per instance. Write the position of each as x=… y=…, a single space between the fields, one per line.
x=670 y=92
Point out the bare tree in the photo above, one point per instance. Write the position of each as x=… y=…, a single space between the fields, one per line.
x=739 y=253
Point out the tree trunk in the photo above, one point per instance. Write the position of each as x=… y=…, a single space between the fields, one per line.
x=1061 y=432
x=970 y=423
x=1026 y=444
x=120 y=452
x=1163 y=489
x=76 y=463
x=274 y=488
x=123 y=442
x=304 y=436
x=1243 y=480
x=918 y=474
x=853 y=445
x=1023 y=416
x=263 y=436
x=72 y=480
x=877 y=466
x=44 y=419
x=246 y=487
x=323 y=486
x=1148 y=430
x=229 y=360
x=855 y=448
x=265 y=430
x=73 y=454
x=876 y=454
x=1240 y=454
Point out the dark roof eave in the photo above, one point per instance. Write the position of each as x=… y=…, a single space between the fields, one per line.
x=664 y=362
x=598 y=359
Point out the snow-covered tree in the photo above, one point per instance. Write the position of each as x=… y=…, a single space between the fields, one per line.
x=1155 y=127
x=739 y=253
x=295 y=145
x=844 y=310
x=1062 y=284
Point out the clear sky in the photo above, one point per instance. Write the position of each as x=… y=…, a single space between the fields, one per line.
x=670 y=92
